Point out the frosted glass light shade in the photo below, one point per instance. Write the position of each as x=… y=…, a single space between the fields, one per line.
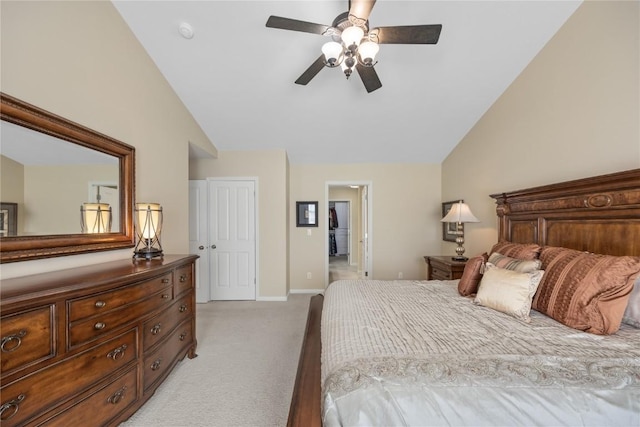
x=368 y=51
x=332 y=52
x=352 y=35
x=148 y=227
x=95 y=218
x=459 y=213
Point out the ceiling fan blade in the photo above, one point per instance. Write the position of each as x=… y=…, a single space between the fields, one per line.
x=410 y=34
x=369 y=77
x=295 y=25
x=311 y=72
x=361 y=8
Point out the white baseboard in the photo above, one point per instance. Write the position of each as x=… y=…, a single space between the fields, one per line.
x=306 y=291
x=271 y=298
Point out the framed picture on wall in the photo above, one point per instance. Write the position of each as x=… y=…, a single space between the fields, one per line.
x=450 y=229
x=306 y=214
x=8 y=219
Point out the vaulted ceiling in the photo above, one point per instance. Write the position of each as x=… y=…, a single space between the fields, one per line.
x=236 y=76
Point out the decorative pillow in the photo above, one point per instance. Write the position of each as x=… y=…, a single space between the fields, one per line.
x=517 y=250
x=520 y=265
x=585 y=291
x=508 y=291
x=631 y=314
x=468 y=284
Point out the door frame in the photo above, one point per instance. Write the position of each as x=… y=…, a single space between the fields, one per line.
x=368 y=267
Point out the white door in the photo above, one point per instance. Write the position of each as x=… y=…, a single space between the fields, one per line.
x=365 y=230
x=233 y=237
x=199 y=237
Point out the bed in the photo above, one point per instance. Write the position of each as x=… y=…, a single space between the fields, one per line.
x=420 y=353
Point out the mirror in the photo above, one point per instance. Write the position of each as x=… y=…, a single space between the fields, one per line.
x=50 y=167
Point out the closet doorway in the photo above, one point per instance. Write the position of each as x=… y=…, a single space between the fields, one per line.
x=348 y=234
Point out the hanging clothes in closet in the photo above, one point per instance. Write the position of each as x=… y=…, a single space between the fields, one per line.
x=333 y=224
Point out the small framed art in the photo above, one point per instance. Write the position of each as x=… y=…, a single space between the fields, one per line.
x=306 y=214
x=450 y=229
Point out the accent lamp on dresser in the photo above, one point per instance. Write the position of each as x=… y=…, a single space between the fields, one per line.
x=92 y=344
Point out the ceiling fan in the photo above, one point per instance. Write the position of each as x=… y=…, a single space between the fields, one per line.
x=353 y=44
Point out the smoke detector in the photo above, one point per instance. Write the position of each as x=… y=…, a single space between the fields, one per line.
x=186 y=30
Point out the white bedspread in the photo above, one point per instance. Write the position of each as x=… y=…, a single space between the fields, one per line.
x=408 y=353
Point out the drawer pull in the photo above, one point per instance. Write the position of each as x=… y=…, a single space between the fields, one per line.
x=99 y=325
x=156 y=364
x=117 y=396
x=165 y=280
x=156 y=329
x=100 y=304
x=9 y=409
x=12 y=342
x=183 y=336
x=183 y=277
x=165 y=296
x=182 y=308
x=117 y=353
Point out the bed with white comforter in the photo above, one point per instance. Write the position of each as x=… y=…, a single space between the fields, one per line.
x=417 y=353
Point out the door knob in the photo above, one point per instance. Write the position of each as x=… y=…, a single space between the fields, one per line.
x=201 y=247
x=213 y=246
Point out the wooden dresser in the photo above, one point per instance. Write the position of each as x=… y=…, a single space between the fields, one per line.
x=89 y=345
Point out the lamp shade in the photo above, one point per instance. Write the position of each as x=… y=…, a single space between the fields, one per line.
x=332 y=52
x=352 y=35
x=368 y=51
x=95 y=218
x=460 y=213
x=148 y=218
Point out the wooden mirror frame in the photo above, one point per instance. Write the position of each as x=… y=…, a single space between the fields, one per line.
x=23 y=248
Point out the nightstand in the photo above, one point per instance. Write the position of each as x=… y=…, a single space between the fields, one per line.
x=443 y=268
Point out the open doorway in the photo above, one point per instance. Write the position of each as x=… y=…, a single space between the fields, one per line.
x=348 y=234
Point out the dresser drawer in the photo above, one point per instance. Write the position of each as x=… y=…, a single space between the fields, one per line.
x=438 y=273
x=158 y=362
x=159 y=326
x=86 y=330
x=26 y=397
x=27 y=337
x=183 y=279
x=101 y=303
x=102 y=406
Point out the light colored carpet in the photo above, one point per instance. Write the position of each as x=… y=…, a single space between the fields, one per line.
x=339 y=269
x=245 y=370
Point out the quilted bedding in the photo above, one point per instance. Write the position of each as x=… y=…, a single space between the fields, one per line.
x=417 y=353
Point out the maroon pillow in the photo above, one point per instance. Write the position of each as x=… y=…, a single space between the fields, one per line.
x=517 y=250
x=583 y=290
x=468 y=284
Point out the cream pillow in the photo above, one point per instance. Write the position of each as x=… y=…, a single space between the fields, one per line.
x=508 y=291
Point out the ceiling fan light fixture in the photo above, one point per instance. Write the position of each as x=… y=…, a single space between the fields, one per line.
x=346 y=69
x=368 y=51
x=332 y=53
x=352 y=35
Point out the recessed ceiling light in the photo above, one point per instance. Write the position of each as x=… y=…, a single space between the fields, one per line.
x=186 y=30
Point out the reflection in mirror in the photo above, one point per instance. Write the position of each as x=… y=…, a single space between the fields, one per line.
x=51 y=179
x=49 y=168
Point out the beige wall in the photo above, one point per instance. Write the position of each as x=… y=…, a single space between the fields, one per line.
x=79 y=60
x=574 y=112
x=270 y=170
x=405 y=218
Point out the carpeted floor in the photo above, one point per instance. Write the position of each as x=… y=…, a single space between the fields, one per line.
x=339 y=268
x=245 y=370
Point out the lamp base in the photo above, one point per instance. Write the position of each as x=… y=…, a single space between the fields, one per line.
x=147 y=254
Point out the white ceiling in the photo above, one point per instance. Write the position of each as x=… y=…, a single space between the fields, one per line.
x=236 y=76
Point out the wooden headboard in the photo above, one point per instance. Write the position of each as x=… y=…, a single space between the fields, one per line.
x=599 y=214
